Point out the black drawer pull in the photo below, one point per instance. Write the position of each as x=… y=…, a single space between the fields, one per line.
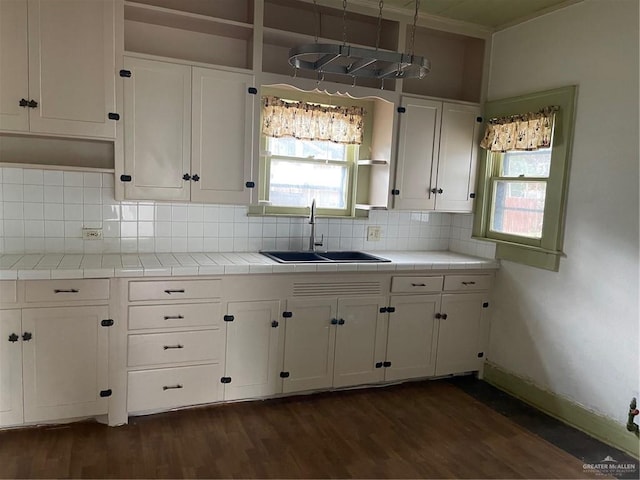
x=418 y=285
x=173 y=317
x=468 y=283
x=70 y=290
x=172 y=387
x=168 y=347
x=169 y=292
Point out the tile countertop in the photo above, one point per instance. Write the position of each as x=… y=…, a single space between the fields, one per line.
x=52 y=265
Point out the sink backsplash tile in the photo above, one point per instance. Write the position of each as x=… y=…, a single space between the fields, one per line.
x=45 y=211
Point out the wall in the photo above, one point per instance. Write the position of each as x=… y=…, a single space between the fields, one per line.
x=45 y=211
x=575 y=332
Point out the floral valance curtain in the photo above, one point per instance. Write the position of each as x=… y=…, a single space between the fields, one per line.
x=529 y=131
x=309 y=121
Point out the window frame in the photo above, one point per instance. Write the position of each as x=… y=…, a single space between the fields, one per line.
x=546 y=251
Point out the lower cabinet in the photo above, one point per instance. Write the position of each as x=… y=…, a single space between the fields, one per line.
x=255 y=339
x=333 y=342
x=54 y=364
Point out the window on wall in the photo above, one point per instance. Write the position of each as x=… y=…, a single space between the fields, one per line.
x=524 y=176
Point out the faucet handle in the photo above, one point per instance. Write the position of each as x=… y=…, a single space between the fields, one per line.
x=320 y=243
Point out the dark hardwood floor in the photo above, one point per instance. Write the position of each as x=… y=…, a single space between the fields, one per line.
x=418 y=430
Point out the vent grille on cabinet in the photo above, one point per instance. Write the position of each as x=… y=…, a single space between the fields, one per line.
x=335 y=288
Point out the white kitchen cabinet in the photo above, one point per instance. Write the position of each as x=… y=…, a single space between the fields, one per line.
x=65 y=362
x=52 y=82
x=461 y=337
x=255 y=340
x=437 y=156
x=412 y=338
x=10 y=368
x=334 y=343
x=187 y=133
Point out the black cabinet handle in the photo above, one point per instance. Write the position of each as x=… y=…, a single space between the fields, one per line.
x=334 y=321
x=13 y=338
x=438 y=316
x=173 y=317
x=23 y=102
x=26 y=336
x=32 y=104
x=169 y=292
x=468 y=283
x=341 y=321
x=172 y=387
x=444 y=316
x=433 y=190
x=195 y=177
x=169 y=347
x=186 y=177
x=418 y=285
x=70 y=290
x=440 y=190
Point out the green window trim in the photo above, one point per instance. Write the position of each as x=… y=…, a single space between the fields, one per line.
x=544 y=252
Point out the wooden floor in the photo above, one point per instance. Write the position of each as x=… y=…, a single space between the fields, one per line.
x=420 y=430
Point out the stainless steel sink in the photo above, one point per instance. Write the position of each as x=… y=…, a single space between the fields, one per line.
x=323 y=257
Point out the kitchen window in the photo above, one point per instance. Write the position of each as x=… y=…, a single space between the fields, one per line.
x=524 y=176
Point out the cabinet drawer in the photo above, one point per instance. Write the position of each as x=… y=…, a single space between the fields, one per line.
x=8 y=292
x=173 y=387
x=466 y=283
x=176 y=347
x=176 y=315
x=174 y=289
x=66 y=290
x=416 y=284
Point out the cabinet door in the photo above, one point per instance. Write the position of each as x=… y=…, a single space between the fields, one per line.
x=72 y=67
x=460 y=334
x=157 y=130
x=14 y=65
x=309 y=345
x=458 y=153
x=254 y=349
x=10 y=368
x=222 y=135
x=413 y=333
x=65 y=362
x=360 y=341
x=418 y=147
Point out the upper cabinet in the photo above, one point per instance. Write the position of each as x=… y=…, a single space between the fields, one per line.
x=57 y=67
x=187 y=133
x=437 y=150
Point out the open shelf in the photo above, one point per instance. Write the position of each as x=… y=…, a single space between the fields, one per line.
x=235 y=10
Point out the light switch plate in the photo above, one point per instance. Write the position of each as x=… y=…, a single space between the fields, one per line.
x=373 y=233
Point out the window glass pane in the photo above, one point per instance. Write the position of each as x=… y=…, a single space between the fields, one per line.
x=518 y=208
x=535 y=163
x=292 y=147
x=296 y=184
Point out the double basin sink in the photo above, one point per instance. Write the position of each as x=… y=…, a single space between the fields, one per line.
x=322 y=257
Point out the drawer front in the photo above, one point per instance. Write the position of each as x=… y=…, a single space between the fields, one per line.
x=173 y=387
x=8 y=292
x=174 y=290
x=466 y=283
x=66 y=290
x=416 y=284
x=168 y=316
x=176 y=347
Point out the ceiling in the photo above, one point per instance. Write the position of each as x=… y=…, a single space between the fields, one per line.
x=493 y=14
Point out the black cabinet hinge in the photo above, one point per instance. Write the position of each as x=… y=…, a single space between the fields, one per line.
x=125 y=178
x=391 y=309
x=395 y=191
x=252 y=90
x=480 y=354
x=125 y=73
x=485 y=305
x=386 y=364
x=287 y=314
x=479 y=119
x=402 y=109
x=228 y=318
x=113 y=116
x=107 y=322
x=472 y=195
x=105 y=393
x=225 y=380
x=274 y=324
x=379 y=364
x=250 y=185
x=284 y=374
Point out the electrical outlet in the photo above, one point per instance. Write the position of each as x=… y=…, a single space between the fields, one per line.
x=373 y=233
x=91 y=233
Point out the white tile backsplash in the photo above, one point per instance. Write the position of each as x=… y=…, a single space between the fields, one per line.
x=45 y=211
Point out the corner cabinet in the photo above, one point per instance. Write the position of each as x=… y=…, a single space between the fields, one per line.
x=437 y=155
x=188 y=133
x=52 y=82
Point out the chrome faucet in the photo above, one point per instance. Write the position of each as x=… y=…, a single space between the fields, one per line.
x=312 y=236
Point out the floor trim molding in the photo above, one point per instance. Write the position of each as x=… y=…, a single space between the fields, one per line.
x=598 y=426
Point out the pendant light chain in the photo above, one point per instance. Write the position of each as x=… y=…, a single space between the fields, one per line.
x=316 y=18
x=413 y=29
x=380 y=5
x=344 y=22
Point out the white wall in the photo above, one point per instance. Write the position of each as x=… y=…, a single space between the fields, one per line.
x=575 y=332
